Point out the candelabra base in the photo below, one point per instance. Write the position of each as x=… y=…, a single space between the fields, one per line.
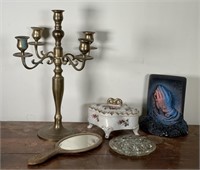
x=50 y=133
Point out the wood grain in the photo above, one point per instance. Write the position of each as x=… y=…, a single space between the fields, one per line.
x=19 y=142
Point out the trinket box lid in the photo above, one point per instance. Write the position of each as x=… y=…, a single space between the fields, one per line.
x=114 y=110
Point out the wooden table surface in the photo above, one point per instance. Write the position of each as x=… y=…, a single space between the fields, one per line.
x=19 y=142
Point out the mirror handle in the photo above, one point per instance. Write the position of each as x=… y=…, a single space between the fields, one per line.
x=42 y=157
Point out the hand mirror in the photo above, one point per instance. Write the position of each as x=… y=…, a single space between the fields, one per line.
x=76 y=143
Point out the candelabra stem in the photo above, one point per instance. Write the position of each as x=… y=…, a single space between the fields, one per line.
x=57 y=131
x=58 y=89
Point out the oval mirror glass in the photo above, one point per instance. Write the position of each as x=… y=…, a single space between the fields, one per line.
x=80 y=143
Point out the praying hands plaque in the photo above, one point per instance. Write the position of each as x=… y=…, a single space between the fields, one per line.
x=165 y=106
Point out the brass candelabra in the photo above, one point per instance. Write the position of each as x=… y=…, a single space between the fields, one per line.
x=56 y=57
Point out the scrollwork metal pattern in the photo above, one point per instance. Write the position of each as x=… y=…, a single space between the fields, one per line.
x=74 y=61
x=48 y=55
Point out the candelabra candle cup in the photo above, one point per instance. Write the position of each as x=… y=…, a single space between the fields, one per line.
x=22 y=43
x=84 y=45
x=37 y=33
x=89 y=35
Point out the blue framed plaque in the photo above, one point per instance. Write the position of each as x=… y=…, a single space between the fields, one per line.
x=165 y=106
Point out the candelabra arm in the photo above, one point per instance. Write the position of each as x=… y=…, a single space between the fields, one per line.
x=37 y=53
x=36 y=63
x=74 y=61
x=25 y=65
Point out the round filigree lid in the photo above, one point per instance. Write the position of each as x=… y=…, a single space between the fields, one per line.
x=131 y=145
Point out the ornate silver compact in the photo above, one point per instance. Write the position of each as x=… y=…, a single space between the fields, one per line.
x=132 y=145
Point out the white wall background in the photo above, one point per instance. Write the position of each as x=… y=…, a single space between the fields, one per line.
x=135 y=38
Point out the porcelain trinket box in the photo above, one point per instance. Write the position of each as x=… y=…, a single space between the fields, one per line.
x=112 y=116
